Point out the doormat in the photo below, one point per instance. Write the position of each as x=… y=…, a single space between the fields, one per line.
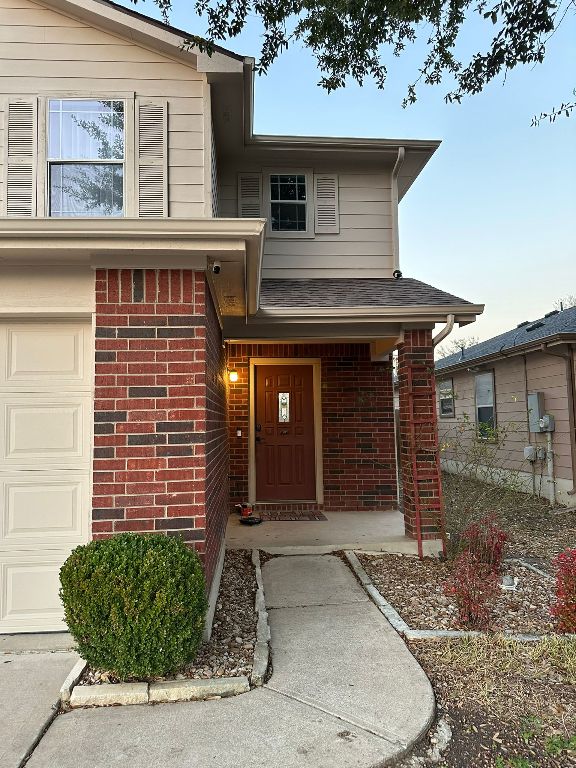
x=272 y=516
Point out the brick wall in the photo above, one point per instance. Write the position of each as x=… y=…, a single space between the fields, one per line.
x=152 y=422
x=217 y=468
x=417 y=353
x=357 y=423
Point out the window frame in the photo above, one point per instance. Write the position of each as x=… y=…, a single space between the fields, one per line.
x=441 y=415
x=490 y=372
x=308 y=233
x=43 y=184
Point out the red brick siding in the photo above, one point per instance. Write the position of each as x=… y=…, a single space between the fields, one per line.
x=357 y=423
x=417 y=350
x=217 y=489
x=150 y=403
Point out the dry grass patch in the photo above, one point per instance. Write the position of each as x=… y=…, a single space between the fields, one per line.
x=509 y=704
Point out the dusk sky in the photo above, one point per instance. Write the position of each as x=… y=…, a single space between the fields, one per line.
x=492 y=218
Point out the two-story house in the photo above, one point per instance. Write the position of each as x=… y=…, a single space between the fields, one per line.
x=191 y=315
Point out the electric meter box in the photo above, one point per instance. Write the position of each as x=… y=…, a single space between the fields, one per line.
x=536 y=411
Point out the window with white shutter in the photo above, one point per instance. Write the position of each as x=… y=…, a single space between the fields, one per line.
x=21 y=160
x=326 y=213
x=249 y=195
x=152 y=168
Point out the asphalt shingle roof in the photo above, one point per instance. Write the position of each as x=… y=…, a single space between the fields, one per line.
x=535 y=330
x=352 y=292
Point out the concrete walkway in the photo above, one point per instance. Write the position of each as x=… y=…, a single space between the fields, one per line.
x=345 y=691
x=29 y=689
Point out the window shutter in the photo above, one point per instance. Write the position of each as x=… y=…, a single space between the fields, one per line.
x=21 y=160
x=152 y=161
x=326 y=214
x=249 y=195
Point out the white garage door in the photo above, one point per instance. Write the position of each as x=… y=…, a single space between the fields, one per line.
x=45 y=428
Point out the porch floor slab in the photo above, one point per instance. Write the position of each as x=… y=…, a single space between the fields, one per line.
x=368 y=530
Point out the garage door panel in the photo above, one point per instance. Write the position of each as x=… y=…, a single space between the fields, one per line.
x=41 y=431
x=29 y=594
x=39 y=355
x=46 y=370
x=43 y=511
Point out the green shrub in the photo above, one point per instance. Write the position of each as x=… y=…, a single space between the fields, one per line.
x=135 y=604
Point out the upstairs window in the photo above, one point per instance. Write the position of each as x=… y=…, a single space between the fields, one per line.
x=86 y=153
x=446 y=399
x=288 y=202
x=484 y=403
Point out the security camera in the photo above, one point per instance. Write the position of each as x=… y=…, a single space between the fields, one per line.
x=216 y=267
x=396 y=274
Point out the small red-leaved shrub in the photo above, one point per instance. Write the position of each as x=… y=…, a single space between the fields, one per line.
x=564 y=609
x=475 y=576
x=485 y=540
x=474 y=586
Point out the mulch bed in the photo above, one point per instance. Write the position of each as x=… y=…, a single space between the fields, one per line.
x=230 y=651
x=509 y=704
x=416 y=590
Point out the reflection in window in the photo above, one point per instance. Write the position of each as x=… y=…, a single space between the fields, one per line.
x=446 y=399
x=283 y=407
x=288 y=202
x=86 y=157
x=485 y=413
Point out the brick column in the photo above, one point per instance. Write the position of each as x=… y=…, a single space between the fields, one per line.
x=150 y=403
x=419 y=446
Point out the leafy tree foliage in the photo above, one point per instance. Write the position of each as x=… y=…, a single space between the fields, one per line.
x=348 y=37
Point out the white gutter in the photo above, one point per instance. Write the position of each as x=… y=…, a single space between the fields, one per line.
x=446 y=331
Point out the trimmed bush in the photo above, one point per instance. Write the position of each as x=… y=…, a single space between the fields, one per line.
x=135 y=604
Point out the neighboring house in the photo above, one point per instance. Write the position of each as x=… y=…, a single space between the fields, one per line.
x=512 y=383
x=192 y=315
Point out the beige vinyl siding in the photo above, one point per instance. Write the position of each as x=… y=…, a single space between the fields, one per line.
x=43 y=52
x=544 y=373
x=363 y=244
x=548 y=374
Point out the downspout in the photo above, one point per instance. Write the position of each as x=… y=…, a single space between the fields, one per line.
x=441 y=335
x=395 y=237
x=570 y=385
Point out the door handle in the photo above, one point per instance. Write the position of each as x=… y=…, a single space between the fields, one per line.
x=284 y=432
x=258 y=439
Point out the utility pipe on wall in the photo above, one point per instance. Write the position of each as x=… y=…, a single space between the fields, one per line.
x=550 y=469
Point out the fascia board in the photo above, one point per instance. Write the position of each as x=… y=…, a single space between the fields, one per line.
x=404 y=312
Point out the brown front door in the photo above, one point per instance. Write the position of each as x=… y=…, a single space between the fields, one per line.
x=285 y=456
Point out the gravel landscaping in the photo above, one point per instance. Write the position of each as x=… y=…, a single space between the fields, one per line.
x=507 y=704
x=415 y=589
x=230 y=651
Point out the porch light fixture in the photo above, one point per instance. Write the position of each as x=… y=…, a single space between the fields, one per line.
x=232 y=375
